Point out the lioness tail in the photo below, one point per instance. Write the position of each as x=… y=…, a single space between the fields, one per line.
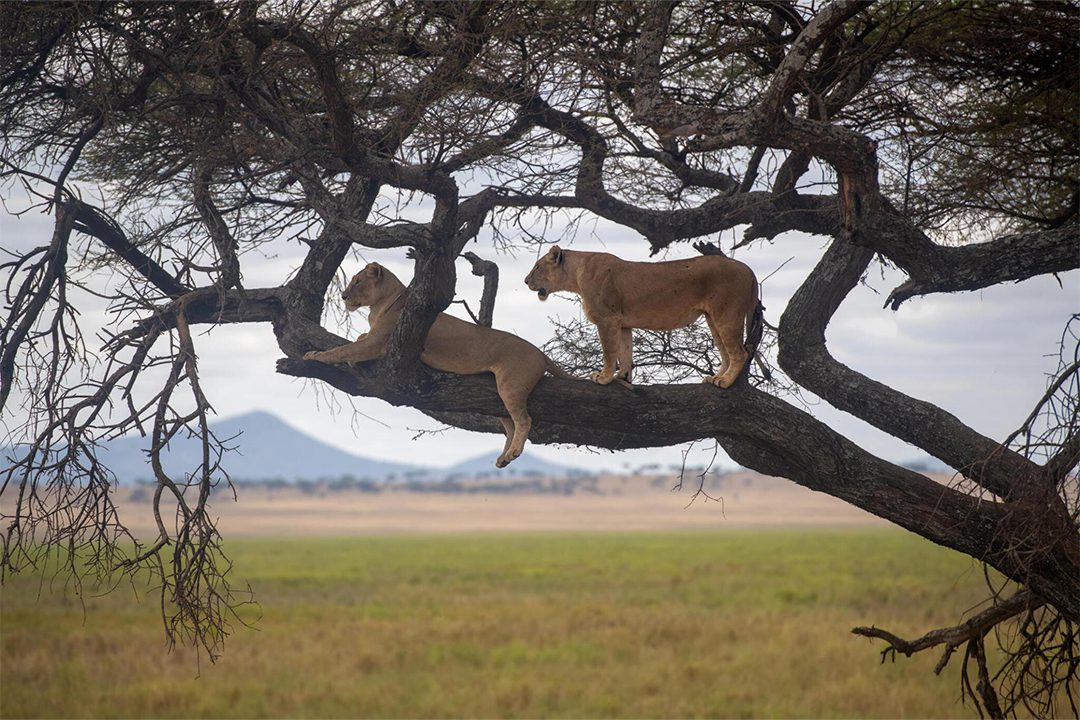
x=557 y=371
x=754 y=329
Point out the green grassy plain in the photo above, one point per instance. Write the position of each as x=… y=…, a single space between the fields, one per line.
x=696 y=624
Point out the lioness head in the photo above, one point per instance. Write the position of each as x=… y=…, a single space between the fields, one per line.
x=548 y=274
x=365 y=288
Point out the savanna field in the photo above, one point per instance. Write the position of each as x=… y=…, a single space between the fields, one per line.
x=728 y=623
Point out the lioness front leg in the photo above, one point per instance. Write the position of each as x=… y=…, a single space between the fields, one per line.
x=610 y=333
x=626 y=354
x=365 y=348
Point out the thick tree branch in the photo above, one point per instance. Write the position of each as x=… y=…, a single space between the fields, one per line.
x=805 y=357
x=823 y=26
x=331 y=246
x=211 y=305
x=385 y=237
x=648 y=93
x=429 y=293
x=434 y=282
x=934 y=268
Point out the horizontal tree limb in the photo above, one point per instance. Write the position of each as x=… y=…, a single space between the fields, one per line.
x=211 y=305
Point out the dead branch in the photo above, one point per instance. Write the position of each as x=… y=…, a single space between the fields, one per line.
x=952 y=637
x=490 y=272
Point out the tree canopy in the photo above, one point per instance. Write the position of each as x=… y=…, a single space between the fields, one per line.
x=168 y=141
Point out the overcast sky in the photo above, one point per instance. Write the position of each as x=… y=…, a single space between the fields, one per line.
x=982 y=356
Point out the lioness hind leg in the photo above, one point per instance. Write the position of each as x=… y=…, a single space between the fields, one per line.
x=515 y=444
x=728 y=336
x=508 y=428
x=514 y=394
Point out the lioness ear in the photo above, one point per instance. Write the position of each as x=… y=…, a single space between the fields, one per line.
x=373 y=270
x=556 y=254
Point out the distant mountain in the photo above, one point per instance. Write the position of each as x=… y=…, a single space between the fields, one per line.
x=526 y=464
x=266 y=448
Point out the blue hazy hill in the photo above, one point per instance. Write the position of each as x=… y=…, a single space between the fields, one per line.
x=266 y=448
x=525 y=465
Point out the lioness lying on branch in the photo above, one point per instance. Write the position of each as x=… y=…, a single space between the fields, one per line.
x=452 y=345
x=619 y=295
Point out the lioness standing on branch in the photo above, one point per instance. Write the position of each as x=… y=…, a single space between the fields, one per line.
x=452 y=345
x=619 y=295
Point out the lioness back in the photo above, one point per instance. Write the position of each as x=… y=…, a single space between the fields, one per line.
x=454 y=345
x=670 y=294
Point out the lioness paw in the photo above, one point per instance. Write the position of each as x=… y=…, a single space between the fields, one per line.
x=602 y=378
x=507 y=457
x=312 y=355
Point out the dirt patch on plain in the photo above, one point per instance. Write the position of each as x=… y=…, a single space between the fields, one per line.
x=612 y=504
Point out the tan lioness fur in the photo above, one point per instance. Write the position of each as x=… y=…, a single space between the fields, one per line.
x=452 y=345
x=619 y=295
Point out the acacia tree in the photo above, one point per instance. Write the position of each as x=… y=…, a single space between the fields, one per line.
x=937 y=138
